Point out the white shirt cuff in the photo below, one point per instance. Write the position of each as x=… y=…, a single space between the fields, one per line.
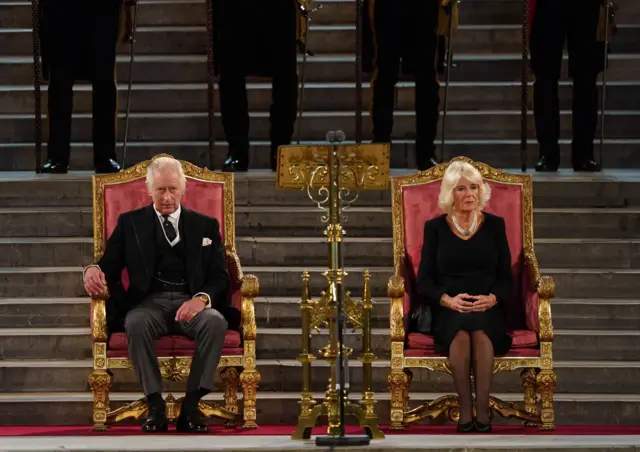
x=88 y=267
x=208 y=305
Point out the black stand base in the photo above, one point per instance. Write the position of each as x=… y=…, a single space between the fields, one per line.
x=352 y=440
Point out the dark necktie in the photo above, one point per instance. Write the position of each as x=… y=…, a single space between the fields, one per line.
x=169 y=229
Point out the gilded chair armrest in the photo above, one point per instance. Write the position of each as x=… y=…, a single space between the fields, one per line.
x=249 y=291
x=544 y=285
x=98 y=320
x=395 y=290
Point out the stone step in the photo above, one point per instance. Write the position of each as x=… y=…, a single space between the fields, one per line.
x=618 y=153
x=588 y=377
x=318 y=96
x=185 y=126
x=333 y=38
x=358 y=251
x=284 y=343
x=15 y=14
x=74 y=408
x=321 y=67
x=284 y=312
x=565 y=189
x=286 y=281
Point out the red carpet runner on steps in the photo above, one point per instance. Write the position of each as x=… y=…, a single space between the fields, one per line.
x=286 y=430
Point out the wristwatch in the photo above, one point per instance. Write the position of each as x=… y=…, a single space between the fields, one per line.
x=204 y=299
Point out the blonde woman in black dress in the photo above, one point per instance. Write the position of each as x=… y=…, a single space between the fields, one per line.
x=465 y=276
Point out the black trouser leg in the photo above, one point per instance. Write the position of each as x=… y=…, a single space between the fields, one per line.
x=387 y=65
x=284 y=106
x=547 y=42
x=105 y=93
x=234 y=108
x=104 y=121
x=283 y=111
x=60 y=107
x=586 y=60
x=427 y=100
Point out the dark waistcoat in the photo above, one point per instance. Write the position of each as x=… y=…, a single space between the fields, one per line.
x=170 y=260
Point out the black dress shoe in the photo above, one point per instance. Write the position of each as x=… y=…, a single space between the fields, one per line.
x=108 y=167
x=156 y=420
x=53 y=167
x=235 y=163
x=589 y=165
x=465 y=428
x=426 y=163
x=191 y=422
x=482 y=428
x=547 y=164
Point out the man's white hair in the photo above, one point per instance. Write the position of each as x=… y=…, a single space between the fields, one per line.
x=452 y=176
x=162 y=164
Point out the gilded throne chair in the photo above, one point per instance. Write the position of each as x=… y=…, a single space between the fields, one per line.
x=212 y=194
x=414 y=201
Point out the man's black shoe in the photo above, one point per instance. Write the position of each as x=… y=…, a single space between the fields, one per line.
x=589 y=166
x=191 y=422
x=108 y=167
x=156 y=420
x=235 y=162
x=53 y=167
x=546 y=165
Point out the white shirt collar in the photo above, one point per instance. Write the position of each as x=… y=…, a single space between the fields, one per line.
x=174 y=216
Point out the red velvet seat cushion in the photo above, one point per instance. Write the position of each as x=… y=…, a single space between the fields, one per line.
x=173 y=345
x=524 y=344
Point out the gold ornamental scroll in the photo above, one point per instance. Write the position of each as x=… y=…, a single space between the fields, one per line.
x=333 y=176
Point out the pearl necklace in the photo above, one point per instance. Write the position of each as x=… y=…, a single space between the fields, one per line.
x=466 y=232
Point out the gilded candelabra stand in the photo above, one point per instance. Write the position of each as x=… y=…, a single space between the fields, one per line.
x=333 y=177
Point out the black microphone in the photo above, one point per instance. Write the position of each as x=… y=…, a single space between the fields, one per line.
x=330 y=136
x=340 y=136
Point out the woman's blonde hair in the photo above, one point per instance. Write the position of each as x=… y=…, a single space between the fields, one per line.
x=453 y=174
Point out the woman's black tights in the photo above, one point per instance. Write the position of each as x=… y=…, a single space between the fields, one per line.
x=465 y=349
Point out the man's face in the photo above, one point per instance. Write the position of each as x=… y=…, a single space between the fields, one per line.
x=166 y=191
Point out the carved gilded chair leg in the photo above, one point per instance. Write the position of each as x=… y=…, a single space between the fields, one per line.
x=100 y=383
x=230 y=381
x=399 y=388
x=528 y=378
x=409 y=373
x=250 y=379
x=546 y=382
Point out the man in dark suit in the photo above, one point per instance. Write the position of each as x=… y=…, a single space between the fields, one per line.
x=255 y=38
x=402 y=35
x=179 y=283
x=79 y=40
x=553 y=23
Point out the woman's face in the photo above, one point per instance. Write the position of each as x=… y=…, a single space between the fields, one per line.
x=465 y=196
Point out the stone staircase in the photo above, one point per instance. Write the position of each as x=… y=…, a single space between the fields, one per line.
x=586 y=239
x=169 y=92
x=586 y=227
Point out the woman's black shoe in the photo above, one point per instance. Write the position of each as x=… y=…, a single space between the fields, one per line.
x=482 y=428
x=465 y=428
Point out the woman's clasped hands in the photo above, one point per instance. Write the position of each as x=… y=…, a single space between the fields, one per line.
x=469 y=303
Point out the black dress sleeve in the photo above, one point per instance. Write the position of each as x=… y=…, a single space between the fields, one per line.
x=501 y=288
x=427 y=282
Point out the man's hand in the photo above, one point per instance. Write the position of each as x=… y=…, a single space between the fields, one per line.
x=94 y=281
x=189 y=310
x=458 y=303
x=484 y=302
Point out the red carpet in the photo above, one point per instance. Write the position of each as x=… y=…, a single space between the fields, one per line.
x=286 y=430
